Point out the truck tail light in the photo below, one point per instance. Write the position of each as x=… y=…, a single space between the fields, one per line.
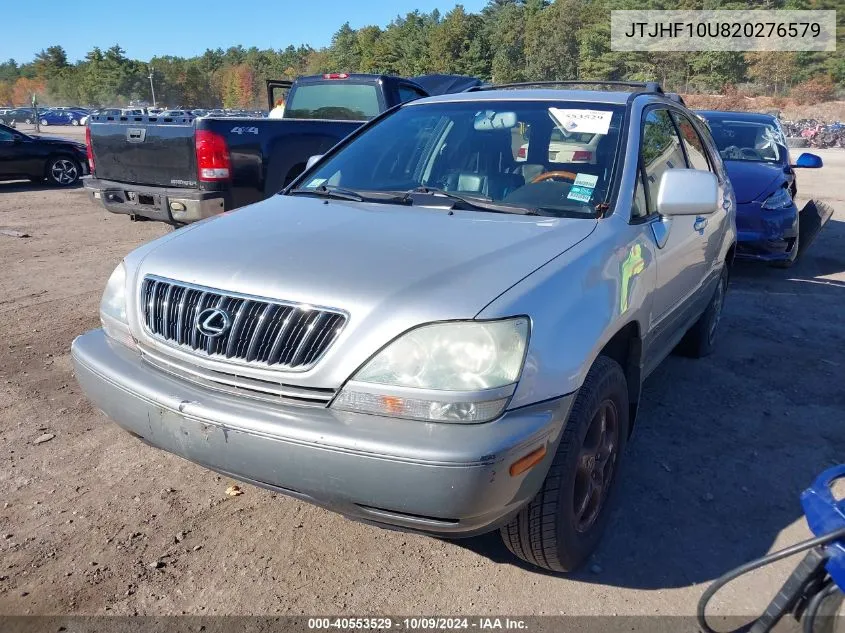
x=213 y=163
x=581 y=156
x=89 y=149
x=522 y=152
x=336 y=76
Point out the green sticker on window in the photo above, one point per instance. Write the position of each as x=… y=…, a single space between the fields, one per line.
x=581 y=194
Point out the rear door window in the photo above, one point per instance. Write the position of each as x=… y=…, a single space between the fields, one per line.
x=334 y=100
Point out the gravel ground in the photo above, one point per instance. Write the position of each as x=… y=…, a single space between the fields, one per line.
x=94 y=522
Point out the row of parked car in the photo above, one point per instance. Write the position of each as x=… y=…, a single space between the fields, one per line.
x=44 y=116
x=443 y=321
x=79 y=116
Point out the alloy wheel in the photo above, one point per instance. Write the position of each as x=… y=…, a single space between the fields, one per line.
x=64 y=171
x=596 y=464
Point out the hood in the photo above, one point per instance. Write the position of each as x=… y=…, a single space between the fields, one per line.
x=750 y=180
x=389 y=267
x=58 y=140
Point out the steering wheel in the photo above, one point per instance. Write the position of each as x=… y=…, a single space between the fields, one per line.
x=733 y=152
x=750 y=152
x=554 y=175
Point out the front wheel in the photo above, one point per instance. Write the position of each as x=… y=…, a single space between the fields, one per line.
x=45 y=122
x=562 y=525
x=74 y=122
x=63 y=172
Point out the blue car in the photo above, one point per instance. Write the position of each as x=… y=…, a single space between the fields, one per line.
x=60 y=117
x=753 y=148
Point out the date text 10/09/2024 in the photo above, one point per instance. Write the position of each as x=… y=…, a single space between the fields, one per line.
x=418 y=624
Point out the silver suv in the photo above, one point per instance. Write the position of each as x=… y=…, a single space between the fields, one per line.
x=438 y=327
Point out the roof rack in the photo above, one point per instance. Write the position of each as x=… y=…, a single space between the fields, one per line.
x=647 y=86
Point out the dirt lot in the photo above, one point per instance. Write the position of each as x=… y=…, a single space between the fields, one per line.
x=722 y=450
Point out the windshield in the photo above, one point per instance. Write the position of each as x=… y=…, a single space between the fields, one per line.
x=754 y=141
x=334 y=99
x=476 y=150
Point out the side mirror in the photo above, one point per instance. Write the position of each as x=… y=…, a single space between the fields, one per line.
x=17 y=138
x=808 y=161
x=312 y=159
x=687 y=192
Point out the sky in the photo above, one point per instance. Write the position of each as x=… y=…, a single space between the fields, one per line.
x=186 y=28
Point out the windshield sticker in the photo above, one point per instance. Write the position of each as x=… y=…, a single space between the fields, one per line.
x=585 y=121
x=315 y=182
x=586 y=180
x=581 y=194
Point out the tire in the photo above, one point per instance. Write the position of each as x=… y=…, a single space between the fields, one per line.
x=830 y=617
x=45 y=122
x=700 y=341
x=550 y=532
x=74 y=122
x=63 y=171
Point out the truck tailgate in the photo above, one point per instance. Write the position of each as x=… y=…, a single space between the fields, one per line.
x=144 y=150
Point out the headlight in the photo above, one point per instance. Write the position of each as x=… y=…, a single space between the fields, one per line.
x=113 y=308
x=778 y=200
x=462 y=371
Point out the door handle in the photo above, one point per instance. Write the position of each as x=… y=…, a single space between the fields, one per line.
x=700 y=224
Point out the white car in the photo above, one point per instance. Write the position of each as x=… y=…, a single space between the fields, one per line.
x=175 y=113
x=574 y=147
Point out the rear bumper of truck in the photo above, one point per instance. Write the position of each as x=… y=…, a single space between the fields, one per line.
x=164 y=204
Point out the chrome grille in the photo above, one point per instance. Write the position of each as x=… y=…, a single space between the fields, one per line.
x=263 y=331
x=235 y=383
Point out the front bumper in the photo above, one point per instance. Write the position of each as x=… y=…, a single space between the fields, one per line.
x=164 y=204
x=443 y=479
x=766 y=235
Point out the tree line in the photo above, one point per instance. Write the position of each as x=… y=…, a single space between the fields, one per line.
x=507 y=41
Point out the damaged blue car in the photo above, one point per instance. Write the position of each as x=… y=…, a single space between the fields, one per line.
x=753 y=148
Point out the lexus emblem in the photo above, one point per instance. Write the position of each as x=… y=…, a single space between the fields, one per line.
x=213 y=322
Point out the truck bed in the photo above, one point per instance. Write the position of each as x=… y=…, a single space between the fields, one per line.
x=265 y=154
x=144 y=150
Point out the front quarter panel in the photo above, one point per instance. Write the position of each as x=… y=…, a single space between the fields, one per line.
x=577 y=302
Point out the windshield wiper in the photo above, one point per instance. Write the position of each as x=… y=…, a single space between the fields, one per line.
x=329 y=192
x=471 y=202
x=349 y=194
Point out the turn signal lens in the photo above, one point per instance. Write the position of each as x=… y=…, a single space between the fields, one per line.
x=529 y=461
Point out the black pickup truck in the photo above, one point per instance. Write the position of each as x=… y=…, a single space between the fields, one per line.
x=183 y=169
